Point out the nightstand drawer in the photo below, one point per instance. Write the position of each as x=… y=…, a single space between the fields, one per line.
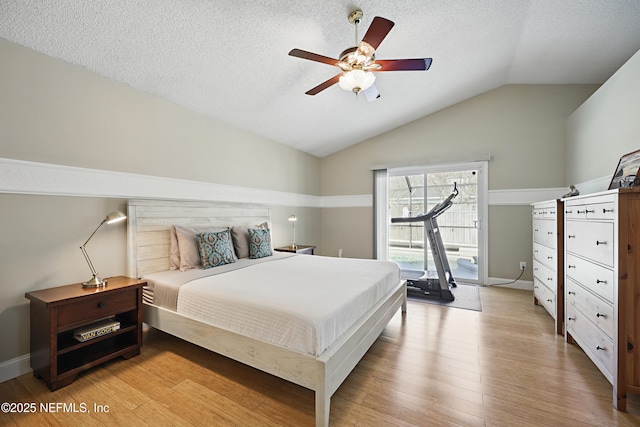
x=89 y=309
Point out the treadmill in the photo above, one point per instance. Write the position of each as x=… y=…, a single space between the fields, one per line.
x=436 y=284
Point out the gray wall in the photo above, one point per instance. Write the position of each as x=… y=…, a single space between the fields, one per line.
x=53 y=112
x=605 y=127
x=520 y=126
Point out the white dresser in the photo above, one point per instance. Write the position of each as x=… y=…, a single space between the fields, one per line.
x=547 y=259
x=602 y=284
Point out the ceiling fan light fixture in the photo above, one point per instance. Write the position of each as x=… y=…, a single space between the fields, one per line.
x=356 y=80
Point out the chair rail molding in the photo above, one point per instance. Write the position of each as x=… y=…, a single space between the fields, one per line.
x=26 y=177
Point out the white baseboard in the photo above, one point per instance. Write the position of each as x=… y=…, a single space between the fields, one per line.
x=506 y=283
x=15 y=367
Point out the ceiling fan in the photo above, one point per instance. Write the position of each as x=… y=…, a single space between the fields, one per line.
x=358 y=63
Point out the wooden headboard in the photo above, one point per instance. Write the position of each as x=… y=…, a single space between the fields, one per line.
x=150 y=221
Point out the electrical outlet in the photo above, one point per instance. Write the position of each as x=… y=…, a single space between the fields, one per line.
x=523 y=265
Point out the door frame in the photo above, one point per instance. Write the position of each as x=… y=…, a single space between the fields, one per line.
x=483 y=204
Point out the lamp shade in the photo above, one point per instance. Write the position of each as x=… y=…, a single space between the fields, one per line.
x=356 y=80
x=292 y=218
x=115 y=216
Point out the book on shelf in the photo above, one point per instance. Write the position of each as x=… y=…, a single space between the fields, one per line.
x=95 y=330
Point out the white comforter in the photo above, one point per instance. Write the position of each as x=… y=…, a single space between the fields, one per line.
x=300 y=302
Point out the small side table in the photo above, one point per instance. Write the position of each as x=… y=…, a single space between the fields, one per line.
x=56 y=356
x=299 y=249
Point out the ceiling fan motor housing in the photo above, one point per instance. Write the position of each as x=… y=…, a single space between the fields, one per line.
x=355 y=16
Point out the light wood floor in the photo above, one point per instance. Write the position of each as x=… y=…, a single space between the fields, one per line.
x=503 y=366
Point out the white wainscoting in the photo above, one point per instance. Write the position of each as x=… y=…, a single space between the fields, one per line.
x=24 y=177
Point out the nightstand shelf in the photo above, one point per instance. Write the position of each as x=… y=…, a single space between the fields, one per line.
x=67 y=343
x=299 y=249
x=56 y=356
x=72 y=363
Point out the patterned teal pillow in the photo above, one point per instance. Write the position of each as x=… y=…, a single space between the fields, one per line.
x=215 y=248
x=259 y=242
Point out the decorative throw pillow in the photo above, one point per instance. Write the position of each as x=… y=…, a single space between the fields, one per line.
x=240 y=237
x=188 y=245
x=215 y=248
x=259 y=242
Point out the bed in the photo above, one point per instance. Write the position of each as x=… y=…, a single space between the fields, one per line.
x=176 y=301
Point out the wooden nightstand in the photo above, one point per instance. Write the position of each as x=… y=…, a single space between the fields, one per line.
x=56 y=356
x=300 y=249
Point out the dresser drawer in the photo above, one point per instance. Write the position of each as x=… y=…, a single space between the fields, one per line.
x=591 y=239
x=595 y=309
x=545 y=296
x=545 y=255
x=90 y=308
x=592 y=340
x=598 y=279
x=546 y=275
x=599 y=207
x=537 y=213
x=544 y=232
x=599 y=211
x=575 y=212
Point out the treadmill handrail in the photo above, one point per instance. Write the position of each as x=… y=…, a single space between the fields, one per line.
x=434 y=212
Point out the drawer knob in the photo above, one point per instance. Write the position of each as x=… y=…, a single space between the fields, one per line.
x=549 y=257
x=600 y=348
x=102 y=304
x=549 y=232
x=571 y=236
x=607 y=210
x=590 y=211
x=581 y=212
x=571 y=266
x=549 y=278
x=600 y=315
x=601 y=281
x=549 y=300
x=600 y=243
x=568 y=212
x=571 y=293
x=571 y=318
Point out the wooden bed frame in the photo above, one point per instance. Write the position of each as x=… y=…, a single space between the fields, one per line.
x=149 y=226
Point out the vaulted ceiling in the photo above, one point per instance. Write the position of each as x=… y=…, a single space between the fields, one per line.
x=228 y=58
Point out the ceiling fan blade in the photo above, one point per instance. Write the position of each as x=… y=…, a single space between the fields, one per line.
x=322 y=86
x=402 y=64
x=377 y=31
x=371 y=93
x=299 y=53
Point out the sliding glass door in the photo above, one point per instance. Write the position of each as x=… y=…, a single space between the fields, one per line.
x=413 y=191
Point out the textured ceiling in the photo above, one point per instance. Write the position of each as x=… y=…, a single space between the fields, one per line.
x=228 y=58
